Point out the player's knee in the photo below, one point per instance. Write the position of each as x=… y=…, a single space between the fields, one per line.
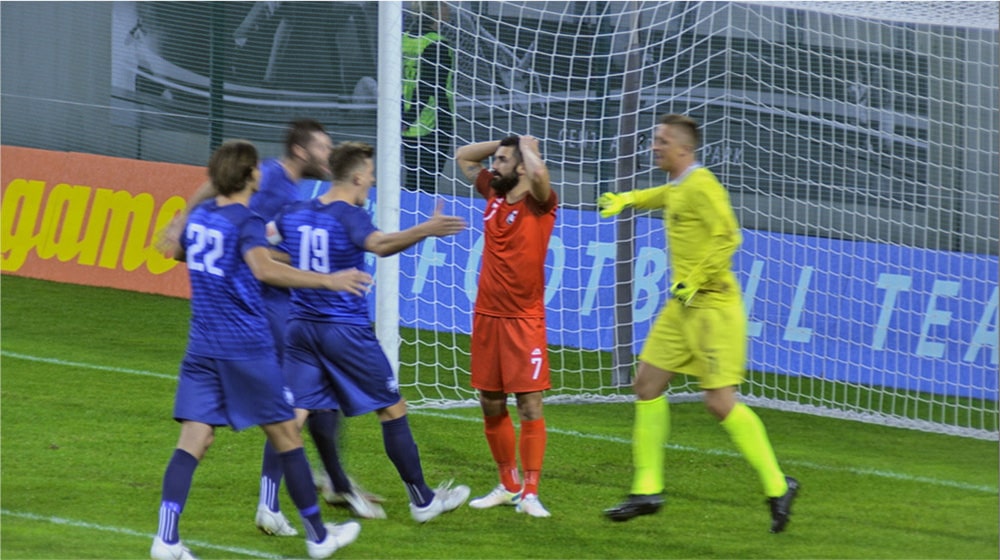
x=284 y=436
x=392 y=412
x=720 y=402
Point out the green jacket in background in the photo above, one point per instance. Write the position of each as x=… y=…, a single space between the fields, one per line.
x=426 y=121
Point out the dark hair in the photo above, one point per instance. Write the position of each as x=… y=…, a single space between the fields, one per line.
x=231 y=165
x=686 y=122
x=300 y=133
x=346 y=157
x=513 y=140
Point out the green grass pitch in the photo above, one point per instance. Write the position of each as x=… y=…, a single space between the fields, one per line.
x=87 y=381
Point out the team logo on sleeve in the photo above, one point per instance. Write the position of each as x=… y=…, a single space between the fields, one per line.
x=492 y=210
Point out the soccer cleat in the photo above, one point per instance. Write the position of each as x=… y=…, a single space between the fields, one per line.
x=163 y=551
x=338 y=535
x=362 y=507
x=274 y=523
x=499 y=496
x=445 y=499
x=365 y=493
x=781 y=507
x=325 y=487
x=532 y=506
x=634 y=506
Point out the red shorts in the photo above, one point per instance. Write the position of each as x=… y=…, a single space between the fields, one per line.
x=509 y=354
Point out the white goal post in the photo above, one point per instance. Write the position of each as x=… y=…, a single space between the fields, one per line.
x=859 y=144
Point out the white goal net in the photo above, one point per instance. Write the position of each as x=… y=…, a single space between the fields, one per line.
x=858 y=141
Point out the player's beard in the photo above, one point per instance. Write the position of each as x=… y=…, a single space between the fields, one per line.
x=315 y=170
x=503 y=184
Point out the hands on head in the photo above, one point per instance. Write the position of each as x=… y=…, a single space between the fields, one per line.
x=528 y=142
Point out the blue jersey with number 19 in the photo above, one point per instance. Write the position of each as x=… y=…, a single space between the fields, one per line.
x=227 y=310
x=326 y=238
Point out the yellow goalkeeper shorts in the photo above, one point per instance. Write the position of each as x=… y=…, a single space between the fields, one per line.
x=707 y=343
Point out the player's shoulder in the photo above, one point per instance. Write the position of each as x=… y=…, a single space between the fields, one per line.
x=703 y=180
x=244 y=214
x=543 y=206
x=204 y=207
x=702 y=173
x=272 y=173
x=215 y=216
x=270 y=165
x=300 y=206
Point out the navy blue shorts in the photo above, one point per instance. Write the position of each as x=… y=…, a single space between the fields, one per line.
x=331 y=364
x=235 y=393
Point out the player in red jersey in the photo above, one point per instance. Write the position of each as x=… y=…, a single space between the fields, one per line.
x=509 y=353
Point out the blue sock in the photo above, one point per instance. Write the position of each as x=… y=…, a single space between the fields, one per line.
x=270 y=478
x=403 y=453
x=324 y=429
x=298 y=479
x=176 y=485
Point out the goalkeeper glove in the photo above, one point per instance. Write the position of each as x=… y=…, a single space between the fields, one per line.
x=611 y=204
x=682 y=293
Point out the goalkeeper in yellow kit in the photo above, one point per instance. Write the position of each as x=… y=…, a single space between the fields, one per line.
x=701 y=331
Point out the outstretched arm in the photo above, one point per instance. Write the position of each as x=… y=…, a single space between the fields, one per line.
x=611 y=204
x=439 y=225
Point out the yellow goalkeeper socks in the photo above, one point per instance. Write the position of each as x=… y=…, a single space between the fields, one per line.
x=649 y=435
x=748 y=433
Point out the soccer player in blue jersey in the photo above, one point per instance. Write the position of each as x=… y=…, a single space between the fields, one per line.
x=307 y=154
x=331 y=352
x=307 y=148
x=701 y=332
x=229 y=375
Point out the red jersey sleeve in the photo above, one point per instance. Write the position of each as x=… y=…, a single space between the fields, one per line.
x=483 y=183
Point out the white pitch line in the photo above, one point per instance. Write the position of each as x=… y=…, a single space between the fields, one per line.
x=57 y=362
x=729 y=453
x=573 y=433
x=131 y=533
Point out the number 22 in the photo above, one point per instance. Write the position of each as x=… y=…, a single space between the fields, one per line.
x=197 y=257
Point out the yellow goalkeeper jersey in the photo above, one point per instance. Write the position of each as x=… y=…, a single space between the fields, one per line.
x=702 y=234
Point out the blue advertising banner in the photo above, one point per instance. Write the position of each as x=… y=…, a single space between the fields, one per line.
x=867 y=313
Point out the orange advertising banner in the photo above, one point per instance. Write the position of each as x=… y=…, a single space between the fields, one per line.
x=91 y=220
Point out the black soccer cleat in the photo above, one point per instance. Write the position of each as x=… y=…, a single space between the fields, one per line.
x=634 y=506
x=781 y=507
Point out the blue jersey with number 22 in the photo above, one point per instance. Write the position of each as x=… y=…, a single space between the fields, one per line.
x=227 y=309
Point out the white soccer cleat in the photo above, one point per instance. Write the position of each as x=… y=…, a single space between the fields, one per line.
x=362 y=507
x=445 y=499
x=357 y=488
x=325 y=488
x=499 y=496
x=274 y=523
x=163 y=551
x=338 y=535
x=532 y=506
